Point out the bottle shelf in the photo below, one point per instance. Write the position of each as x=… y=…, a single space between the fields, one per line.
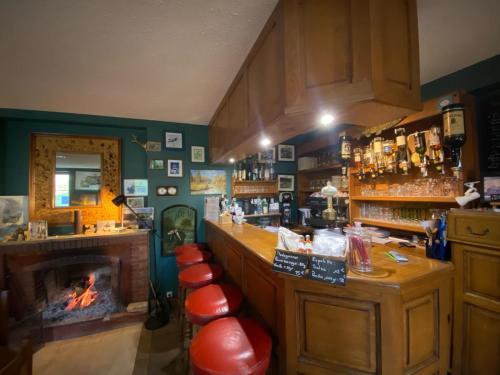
x=263 y=215
x=250 y=182
x=392 y=225
x=403 y=199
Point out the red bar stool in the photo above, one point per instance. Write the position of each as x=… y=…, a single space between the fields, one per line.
x=195 y=277
x=192 y=257
x=188 y=246
x=206 y=304
x=212 y=302
x=231 y=346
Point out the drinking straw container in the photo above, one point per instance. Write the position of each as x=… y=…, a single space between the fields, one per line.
x=359 y=248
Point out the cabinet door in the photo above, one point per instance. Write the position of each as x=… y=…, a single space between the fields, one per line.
x=476 y=336
x=266 y=75
x=218 y=133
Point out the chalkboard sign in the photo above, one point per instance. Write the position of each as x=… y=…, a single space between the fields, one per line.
x=328 y=270
x=290 y=263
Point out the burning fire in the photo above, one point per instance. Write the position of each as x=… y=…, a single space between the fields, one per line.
x=85 y=299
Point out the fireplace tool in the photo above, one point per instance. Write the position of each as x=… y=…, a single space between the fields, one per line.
x=159 y=310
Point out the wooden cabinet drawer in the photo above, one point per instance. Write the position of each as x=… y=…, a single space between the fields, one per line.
x=475 y=228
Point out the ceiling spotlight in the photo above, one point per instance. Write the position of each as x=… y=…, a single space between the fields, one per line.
x=231 y=160
x=264 y=142
x=326 y=119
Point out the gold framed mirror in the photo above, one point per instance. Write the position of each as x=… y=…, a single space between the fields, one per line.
x=69 y=172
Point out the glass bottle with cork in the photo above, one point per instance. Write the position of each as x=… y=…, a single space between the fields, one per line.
x=454 y=134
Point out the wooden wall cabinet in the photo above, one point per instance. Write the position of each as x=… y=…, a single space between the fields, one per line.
x=358 y=59
x=475 y=240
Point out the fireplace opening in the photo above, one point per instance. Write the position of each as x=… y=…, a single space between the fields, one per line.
x=76 y=293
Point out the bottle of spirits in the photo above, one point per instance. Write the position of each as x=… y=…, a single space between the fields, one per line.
x=255 y=170
x=266 y=173
x=243 y=171
x=261 y=173
x=238 y=172
x=388 y=150
x=235 y=172
x=358 y=154
x=265 y=206
x=436 y=148
x=249 y=170
x=378 y=153
x=454 y=134
x=345 y=144
x=402 y=150
x=420 y=149
x=272 y=172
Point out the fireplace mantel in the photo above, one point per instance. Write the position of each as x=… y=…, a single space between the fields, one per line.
x=130 y=248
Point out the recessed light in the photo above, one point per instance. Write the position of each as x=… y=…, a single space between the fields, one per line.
x=264 y=142
x=231 y=160
x=326 y=119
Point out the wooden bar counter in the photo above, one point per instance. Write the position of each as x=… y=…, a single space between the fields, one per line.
x=397 y=321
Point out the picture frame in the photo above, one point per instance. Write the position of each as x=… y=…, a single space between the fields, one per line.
x=174 y=140
x=267 y=156
x=135 y=202
x=135 y=188
x=156 y=164
x=197 y=154
x=208 y=181
x=286 y=182
x=152 y=146
x=129 y=219
x=286 y=152
x=13 y=214
x=491 y=187
x=87 y=180
x=174 y=168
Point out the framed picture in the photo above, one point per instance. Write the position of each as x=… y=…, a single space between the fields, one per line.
x=156 y=164
x=173 y=140
x=174 y=168
x=286 y=182
x=197 y=154
x=491 y=186
x=286 y=153
x=136 y=202
x=105 y=226
x=135 y=188
x=13 y=214
x=153 y=146
x=88 y=180
x=146 y=214
x=205 y=182
x=178 y=226
x=267 y=156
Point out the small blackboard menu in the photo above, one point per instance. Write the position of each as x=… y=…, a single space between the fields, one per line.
x=328 y=270
x=290 y=263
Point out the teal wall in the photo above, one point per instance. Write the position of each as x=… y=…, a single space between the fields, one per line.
x=16 y=127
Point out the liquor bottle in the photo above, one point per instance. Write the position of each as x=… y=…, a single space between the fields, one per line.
x=255 y=170
x=249 y=170
x=345 y=151
x=358 y=154
x=265 y=207
x=436 y=148
x=420 y=149
x=369 y=162
x=238 y=172
x=388 y=150
x=378 y=153
x=454 y=134
x=266 y=173
x=402 y=150
x=235 y=172
x=243 y=171
x=261 y=173
x=272 y=172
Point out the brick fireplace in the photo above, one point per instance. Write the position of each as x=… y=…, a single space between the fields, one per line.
x=51 y=277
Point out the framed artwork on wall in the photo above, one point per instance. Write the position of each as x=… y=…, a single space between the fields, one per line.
x=173 y=140
x=153 y=146
x=136 y=202
x=178 y=226
x=205 y=182
x=267 y=156
x=156 y=164
x=286 y=182
x=135 y=188
x=197 y=154
x=174 y=168
x=286 y=153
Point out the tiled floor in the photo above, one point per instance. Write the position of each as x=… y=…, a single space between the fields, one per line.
x=123 y=351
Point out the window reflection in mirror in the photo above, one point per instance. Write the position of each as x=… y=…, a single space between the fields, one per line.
x=77 y=180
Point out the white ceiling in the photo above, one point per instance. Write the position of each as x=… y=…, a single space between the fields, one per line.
x=173 y=60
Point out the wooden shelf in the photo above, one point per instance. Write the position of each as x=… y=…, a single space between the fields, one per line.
x=264 y=215
x=249 y=189
x=321 y=169
x=249 y=182
x=403 y=199
x=390 y=224
x=254 y=195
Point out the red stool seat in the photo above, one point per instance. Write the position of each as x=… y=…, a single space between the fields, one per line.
x=212 y=302
x=200 y=275
x=190 y=258
x=231 y=346
x=188 y=246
